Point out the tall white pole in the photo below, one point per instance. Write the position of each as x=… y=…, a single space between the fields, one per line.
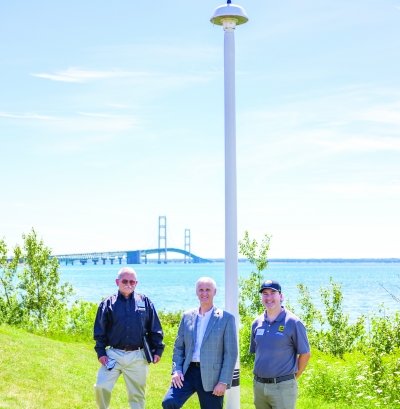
x=231 y=246
x=229 y=16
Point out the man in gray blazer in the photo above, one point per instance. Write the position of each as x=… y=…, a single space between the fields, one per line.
x=205 y=353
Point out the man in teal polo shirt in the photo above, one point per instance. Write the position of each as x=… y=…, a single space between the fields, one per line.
x=279 y=340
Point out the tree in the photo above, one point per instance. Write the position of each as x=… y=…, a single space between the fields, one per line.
x=341 y=336
x=39 y=282
x=10 y=311
x=249 y=298
x=330 y=330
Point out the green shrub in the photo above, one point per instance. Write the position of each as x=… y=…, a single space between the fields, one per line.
x=170 y=318
x=249 y=297
x=384 y=333
x=40 y=291
x=351 y=380
x=330 y=331
x=170 y=322
x=246 y=358
x=81 y=318
x=11 y=311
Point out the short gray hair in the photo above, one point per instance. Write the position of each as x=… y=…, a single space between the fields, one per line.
x=206 y=280
x=126 y=270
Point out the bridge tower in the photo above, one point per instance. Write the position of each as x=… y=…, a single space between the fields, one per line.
x=162 y=238
x=188 y=259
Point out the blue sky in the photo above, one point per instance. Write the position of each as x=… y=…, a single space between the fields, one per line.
x=111 y=114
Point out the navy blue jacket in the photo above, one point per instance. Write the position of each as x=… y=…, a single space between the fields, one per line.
x=118 y=323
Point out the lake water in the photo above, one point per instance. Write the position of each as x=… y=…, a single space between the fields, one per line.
x=171 y=286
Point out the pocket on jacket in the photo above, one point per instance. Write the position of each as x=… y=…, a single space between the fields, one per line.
x=217 y=366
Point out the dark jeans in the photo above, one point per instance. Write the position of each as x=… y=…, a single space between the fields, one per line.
x=175 y=397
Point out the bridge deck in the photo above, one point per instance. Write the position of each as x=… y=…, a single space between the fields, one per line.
x=131 y=256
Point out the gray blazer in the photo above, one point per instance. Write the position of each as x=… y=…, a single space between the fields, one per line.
x=218 y=352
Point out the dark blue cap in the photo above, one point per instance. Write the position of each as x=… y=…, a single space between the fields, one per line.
x=271 y=284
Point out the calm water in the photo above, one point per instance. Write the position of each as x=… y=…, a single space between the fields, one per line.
x=171 y=286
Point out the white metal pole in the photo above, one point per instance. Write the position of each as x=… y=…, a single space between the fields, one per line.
x=231 y=242
x=229 y=16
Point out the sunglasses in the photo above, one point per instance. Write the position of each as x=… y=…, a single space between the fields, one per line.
x=130 y=282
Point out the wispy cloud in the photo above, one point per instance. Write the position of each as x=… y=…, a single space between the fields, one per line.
x=81 y=121
x=78 y=75
x=27 y=116
x=348 y=120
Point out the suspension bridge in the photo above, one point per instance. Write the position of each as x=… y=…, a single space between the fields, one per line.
x=138 y=256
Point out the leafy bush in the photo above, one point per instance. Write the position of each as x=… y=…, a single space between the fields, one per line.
x=81 y=318
x=41 y=293
x=246 y=358
x=384 y=333
x=249 y=296
x=171 y=319
x=351 y=380
x=31 y=295
x=10 y=308
x=170 y=322
x=330 y=331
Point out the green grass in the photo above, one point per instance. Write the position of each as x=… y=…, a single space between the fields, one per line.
x=38 y=372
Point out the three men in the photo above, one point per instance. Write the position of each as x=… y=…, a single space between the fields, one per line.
x=122 y=322
x=205 y=353
x=205 y=349
x=279 y=341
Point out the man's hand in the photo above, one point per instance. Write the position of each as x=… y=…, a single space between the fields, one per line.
x=177 y=379
x=103 y=360
x=302 y=361
x=219 y=389
x=156 y=358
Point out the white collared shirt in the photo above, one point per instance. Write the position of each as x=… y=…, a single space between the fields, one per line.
x=202 y=322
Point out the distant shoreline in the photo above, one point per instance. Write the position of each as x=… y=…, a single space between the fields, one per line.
x=300 y=260
x=331 y=260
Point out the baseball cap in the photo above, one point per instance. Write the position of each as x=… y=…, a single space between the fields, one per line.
x=273 y=285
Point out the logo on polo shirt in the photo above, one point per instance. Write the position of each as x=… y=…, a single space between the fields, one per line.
x=281 y=328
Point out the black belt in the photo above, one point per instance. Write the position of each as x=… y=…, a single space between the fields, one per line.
x=274 y=380
x=127 y=347
x=196 y=364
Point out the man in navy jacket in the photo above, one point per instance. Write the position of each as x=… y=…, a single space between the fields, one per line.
x=122 y=321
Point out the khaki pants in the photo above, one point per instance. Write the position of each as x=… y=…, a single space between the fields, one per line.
x=282 y=395
x=134 y=368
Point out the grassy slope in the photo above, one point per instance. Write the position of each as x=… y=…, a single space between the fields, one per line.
x=37 y=372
